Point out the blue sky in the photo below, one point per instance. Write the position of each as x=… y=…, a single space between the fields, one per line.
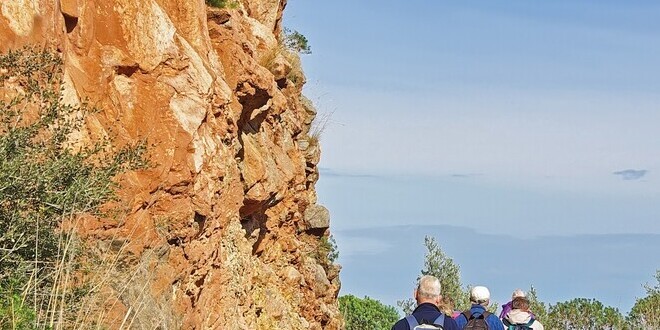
x=508 y=118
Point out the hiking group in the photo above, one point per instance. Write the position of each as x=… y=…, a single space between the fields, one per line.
x=515 y=314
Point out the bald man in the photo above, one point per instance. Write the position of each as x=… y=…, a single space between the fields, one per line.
x=427 y=313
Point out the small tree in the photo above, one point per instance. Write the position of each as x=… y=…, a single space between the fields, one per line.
x=327 y=252
x=438 y=264
x=296 y=42
x=645 y=314
x=537 y=306
x=584 y=314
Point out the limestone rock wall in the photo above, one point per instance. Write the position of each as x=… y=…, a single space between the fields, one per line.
x=223 y=230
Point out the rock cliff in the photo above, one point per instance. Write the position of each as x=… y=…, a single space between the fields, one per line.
x=223 y=230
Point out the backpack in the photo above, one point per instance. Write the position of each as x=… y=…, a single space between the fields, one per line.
x=476 y=322
x=437 y=324
x=518 y=326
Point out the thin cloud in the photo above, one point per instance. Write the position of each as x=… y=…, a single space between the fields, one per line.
x=465 y=175
x=327 y=172
x=631 y=174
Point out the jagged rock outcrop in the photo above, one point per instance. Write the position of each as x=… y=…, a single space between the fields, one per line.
x=223 y=230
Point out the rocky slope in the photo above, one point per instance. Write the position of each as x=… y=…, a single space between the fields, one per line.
x=223 y=230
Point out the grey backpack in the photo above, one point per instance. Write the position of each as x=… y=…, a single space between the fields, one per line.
x=437 y=324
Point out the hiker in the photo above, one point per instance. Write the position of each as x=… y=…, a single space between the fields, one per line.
x=507 y=307
x=519 y=317
x=477 y=317
x=427 y=315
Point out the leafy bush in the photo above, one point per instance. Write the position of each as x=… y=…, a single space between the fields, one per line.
x=44 y=180
x=14 y=313
x=328 y=250
x=366 y=313
x=582 y=313
x=537 y=306
x=296 y=42
x=645 y=314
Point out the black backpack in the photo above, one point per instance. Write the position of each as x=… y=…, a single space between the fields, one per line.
x=518 y=326
x=476 y=322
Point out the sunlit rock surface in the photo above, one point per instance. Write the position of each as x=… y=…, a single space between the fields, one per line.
x=221 y=230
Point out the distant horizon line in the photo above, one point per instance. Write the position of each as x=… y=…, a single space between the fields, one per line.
x=470 y=229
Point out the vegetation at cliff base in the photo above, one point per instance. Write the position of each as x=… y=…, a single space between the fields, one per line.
x=366 y=313
x=46 y=179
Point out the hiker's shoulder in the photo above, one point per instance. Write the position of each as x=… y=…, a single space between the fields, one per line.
x=450 y=323
x=400 y=325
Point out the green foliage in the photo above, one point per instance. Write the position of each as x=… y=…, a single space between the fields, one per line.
x=14 y=313
x=44 y=178
x=584 y=314
x=291 y=45
x=366 y=313
x=438 y=264
x=645 y=314
x=537 y=306
x=328 y=249
x=407 y=306
x=296 y=42
x=222 y=3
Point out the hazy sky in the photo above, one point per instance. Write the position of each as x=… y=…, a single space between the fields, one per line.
x=508 y=117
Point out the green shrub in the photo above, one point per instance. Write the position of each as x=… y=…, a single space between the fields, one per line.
x=537 y=306
x=296 y=42
x=645 y=314
x=366 y=313
x=14 y=313
x=327 y=250
x=582 y=313
x=45 y=179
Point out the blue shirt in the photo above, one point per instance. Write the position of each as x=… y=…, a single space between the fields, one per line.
x=492 y=320
x=427 y=312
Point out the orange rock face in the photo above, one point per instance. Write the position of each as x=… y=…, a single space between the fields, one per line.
x=216 y=234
